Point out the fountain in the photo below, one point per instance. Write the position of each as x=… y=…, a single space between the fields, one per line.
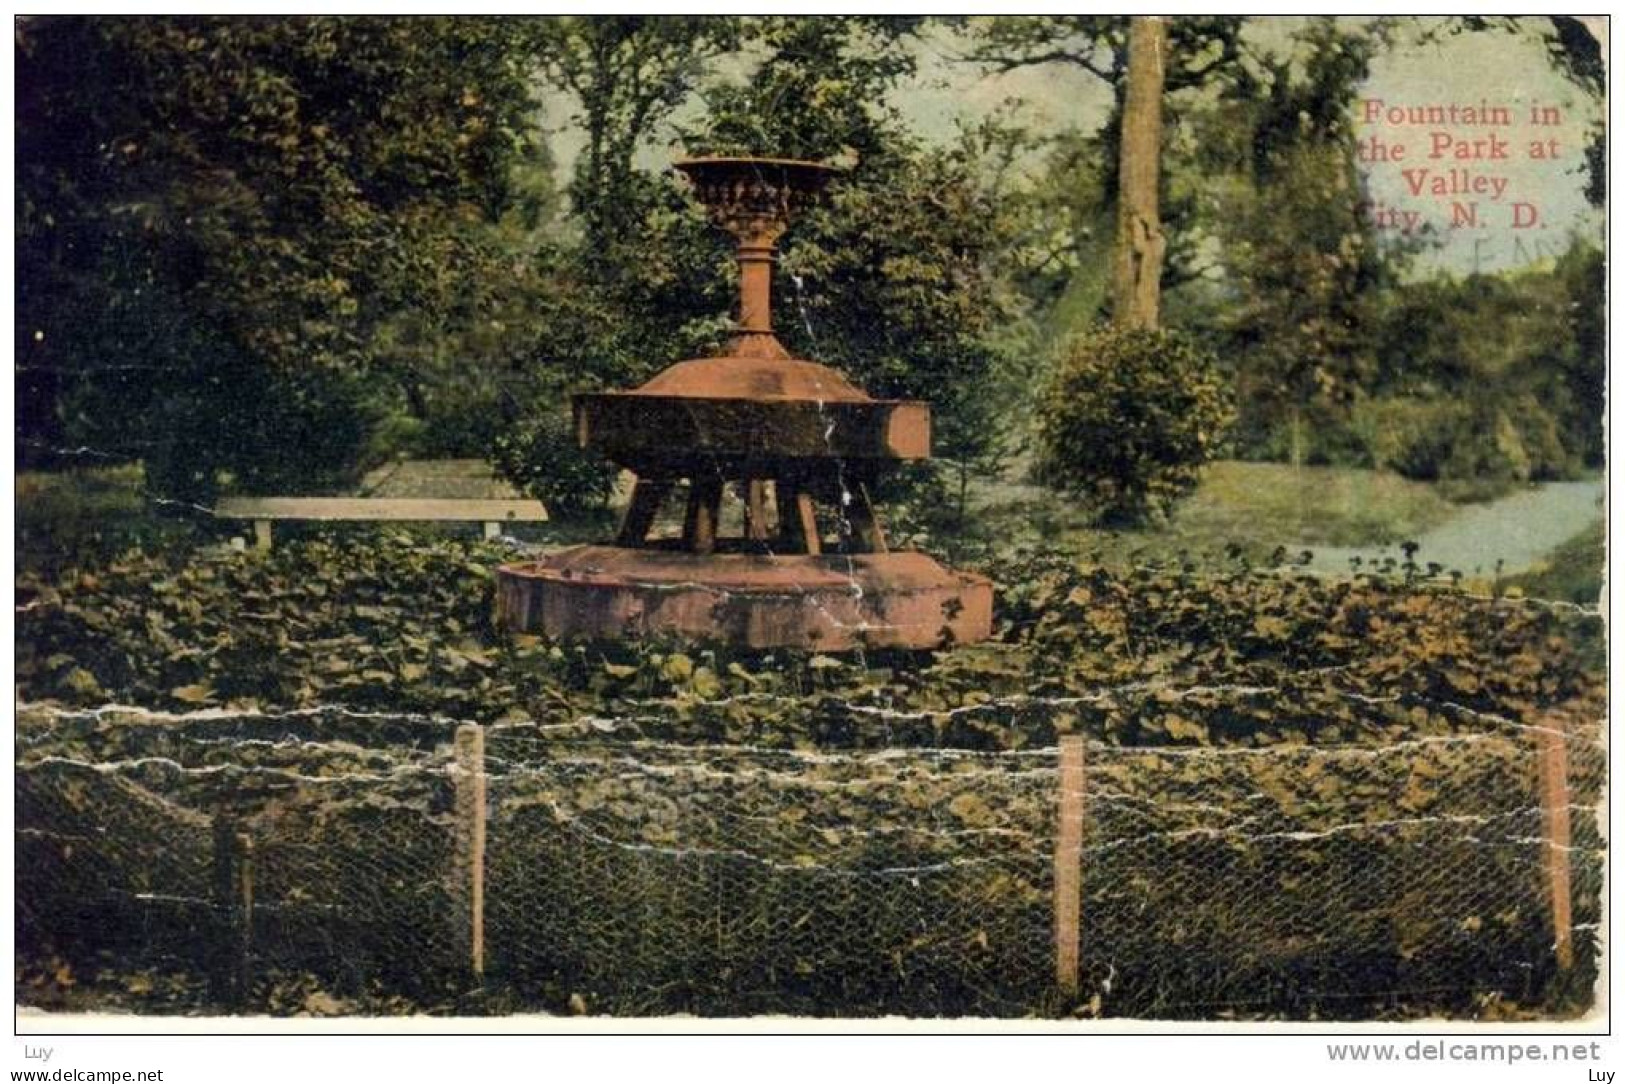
x=791 y=444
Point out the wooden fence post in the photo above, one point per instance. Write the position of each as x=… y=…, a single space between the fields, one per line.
x=245 y=914
x=225 y=875
x=471 y=812
x=231 y=973
x=1069 y=865
x=1551 y=741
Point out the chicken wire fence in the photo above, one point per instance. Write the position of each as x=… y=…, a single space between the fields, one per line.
x=332 y=861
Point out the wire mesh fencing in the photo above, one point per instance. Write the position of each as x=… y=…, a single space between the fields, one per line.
x=115 y=875
x=1295 y=879
x=731 y=881
x=330 y=861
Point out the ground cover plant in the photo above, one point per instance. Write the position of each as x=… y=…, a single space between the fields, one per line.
x=1394 y=708
x=388 y=621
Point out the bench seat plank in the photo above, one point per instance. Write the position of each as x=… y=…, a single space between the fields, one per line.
x=404 y=509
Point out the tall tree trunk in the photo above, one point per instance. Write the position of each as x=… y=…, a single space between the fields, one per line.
x=1137 y=262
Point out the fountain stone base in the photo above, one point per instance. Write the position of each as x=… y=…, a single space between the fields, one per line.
x=825 y=602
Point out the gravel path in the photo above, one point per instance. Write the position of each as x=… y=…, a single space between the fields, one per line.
x=1518 y=530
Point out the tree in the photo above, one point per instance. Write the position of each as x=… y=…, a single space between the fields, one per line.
x=629 y=73
x=1197 y=52
x=820 y=91
x=1300 y=271
x=218 y=229
x=626 y=270
x=1491 y=378
x=1137 y=261
x=903 y=278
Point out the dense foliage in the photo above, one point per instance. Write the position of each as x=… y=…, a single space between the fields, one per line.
x=539 y=453
x=1304 y=274
x=1128 y=420
x=219 y=232
x=1339 y=349
x=902 y=279
x=1143 y=657
x=268 y=252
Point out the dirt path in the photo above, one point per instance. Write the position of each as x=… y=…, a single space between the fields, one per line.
x=1518 y=530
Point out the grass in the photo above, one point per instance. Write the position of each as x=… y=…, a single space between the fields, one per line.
x=1311 y=506
x=1571 y=573
x=1255 y=507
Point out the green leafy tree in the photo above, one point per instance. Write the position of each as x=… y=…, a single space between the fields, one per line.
x=1137 y=253
x=1583 y=371
x=1200 y=54
x=1577 y=52
x=622 y=283
x=627 y=74
x=1339 y=353
x=903 y=277
x=220 y=220
x=1302 y=272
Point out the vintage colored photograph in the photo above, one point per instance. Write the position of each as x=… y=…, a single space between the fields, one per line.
x=1059 y=518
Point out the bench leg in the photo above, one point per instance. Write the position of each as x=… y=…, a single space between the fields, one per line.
x=262 y=534
x=492 y=528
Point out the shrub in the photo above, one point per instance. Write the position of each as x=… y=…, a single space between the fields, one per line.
x=540 y=456
x=1410 y=436
x=1532 y=436
x=259 y=430
x=1489 y=445
x=1128 y=419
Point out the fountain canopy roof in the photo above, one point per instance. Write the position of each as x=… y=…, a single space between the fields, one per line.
x=732 y=377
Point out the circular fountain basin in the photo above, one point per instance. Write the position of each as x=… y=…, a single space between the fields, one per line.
x=826 y=602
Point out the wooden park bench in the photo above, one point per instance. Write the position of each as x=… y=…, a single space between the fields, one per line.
x=492 y=513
